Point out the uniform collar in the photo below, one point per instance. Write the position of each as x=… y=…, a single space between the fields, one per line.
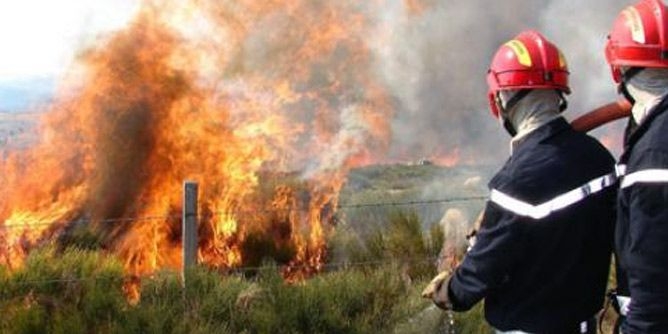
x=540 y=134
x=644 y=126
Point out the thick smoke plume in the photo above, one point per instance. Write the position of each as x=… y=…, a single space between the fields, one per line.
x=434 y=63
x=238 y=94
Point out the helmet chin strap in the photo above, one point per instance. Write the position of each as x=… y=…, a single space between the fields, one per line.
x=621 y=89
x=626 y=76
x=508 y=125
x=504 y=110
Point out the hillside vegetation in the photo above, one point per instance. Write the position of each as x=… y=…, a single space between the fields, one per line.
x=82 y=291
x=382 y=254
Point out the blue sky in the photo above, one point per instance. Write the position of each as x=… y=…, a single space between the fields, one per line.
x=39 y=39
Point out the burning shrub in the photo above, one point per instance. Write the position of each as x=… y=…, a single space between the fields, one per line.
x=213 y=91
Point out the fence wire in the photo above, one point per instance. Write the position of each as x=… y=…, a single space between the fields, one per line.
x=244 y=270
x=341 y=207
x=25 y=287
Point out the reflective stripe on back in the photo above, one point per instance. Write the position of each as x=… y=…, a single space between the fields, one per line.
x=559 y=202
x=645 y=176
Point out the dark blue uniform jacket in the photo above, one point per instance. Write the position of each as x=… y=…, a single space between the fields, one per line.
x=641 y=237
x=542 y=255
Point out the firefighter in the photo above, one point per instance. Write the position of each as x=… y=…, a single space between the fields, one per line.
x=637 y=51
x=542 y=255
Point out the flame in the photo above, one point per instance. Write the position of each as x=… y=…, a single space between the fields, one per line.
x=448 y=159
x=266 y=104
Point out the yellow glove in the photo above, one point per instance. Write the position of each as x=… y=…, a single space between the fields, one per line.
x=437 y=290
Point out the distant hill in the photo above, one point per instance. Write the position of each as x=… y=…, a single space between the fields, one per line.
x=22 y=95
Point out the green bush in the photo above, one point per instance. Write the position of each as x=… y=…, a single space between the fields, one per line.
x=73 y=291
x=80 y=290
x=399 y=239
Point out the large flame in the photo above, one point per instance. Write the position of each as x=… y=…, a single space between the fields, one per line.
x=267 y=104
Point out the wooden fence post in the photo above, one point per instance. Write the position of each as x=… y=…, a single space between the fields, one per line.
x=189 y=227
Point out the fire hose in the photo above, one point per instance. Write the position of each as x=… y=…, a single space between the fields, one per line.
x=602 y=115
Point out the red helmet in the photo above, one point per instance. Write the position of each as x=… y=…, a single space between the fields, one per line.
x=639 y=38
x=526 y=62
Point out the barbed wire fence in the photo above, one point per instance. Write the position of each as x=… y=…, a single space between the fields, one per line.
x=342 y=207
x=190 y=218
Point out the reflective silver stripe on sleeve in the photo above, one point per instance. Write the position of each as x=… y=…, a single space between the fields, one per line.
x=564 y=200
x=645 y=176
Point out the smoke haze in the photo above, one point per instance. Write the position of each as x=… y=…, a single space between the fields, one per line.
x=270 y=104
x=430 y=56
x=434 y=63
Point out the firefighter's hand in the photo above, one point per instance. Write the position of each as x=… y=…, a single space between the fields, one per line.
x=437 y=290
